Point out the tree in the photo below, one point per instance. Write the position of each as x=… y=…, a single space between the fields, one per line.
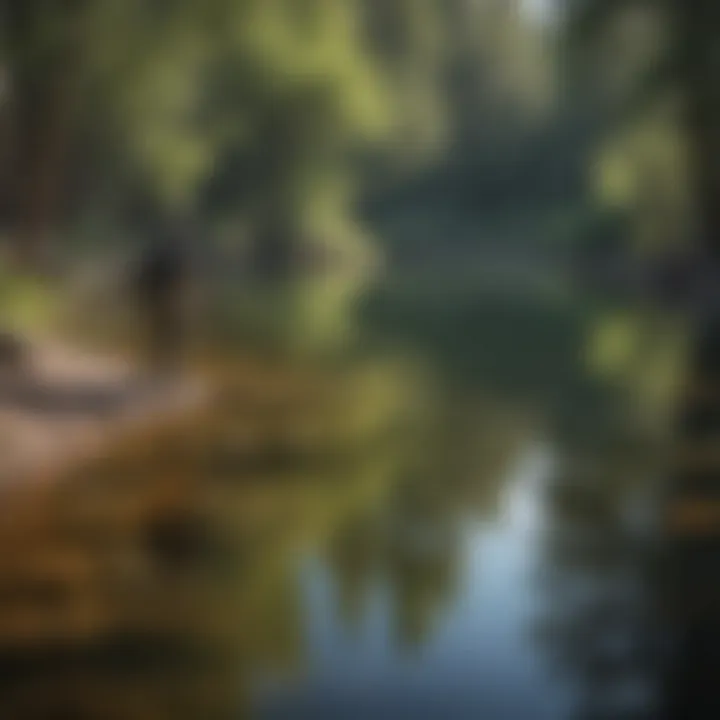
x=271 y=98
x=43 y=46
x=684 y=68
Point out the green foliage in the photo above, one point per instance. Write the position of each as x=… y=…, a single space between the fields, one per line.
x=643 y=171
x=270 y=113
x=501 y=72
x=642 y=354
x=274 y=98
x=28 y=304
x=660 y=58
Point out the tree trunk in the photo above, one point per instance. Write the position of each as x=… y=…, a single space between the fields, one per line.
x=41 y=109
x=696 y=27
x=692 y=533
x=690 y=566
x=42 y=139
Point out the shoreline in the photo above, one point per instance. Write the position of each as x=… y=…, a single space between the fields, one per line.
x=70 y=405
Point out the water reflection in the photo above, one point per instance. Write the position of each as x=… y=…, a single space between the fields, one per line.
x=408 y=547
x=599 y=621
x=156 y=582
x=374 y=541
x=469 y=660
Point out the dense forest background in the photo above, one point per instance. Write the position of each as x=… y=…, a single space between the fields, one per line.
x=295 y=135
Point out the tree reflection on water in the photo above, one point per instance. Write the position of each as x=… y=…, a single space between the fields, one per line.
x=162 y=580
x=151 y=583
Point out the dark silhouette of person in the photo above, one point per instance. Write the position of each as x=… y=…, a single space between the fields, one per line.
x=161 y=279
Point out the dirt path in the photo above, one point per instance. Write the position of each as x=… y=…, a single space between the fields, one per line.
x=69 y=404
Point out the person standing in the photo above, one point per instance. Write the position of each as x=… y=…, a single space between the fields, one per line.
x=162 y=287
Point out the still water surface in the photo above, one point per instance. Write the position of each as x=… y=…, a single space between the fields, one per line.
x=466 y=541
x=475 y=660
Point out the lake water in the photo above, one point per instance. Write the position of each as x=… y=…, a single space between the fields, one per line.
x=460 y=527
x=475 y=655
